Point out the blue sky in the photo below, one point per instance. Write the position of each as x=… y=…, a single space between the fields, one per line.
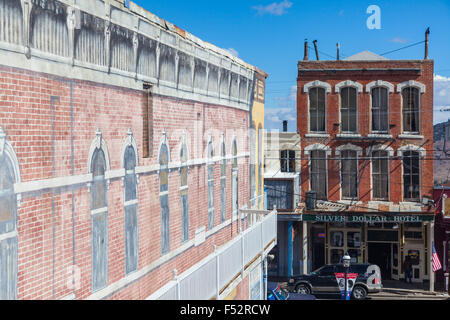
x=270 y=35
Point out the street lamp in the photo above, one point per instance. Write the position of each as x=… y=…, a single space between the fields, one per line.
x=346 y=259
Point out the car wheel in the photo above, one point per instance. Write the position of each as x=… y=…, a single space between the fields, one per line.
x=302 y=289
x=359 y=293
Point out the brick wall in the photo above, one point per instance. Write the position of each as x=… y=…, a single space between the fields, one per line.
x=51 y=123
x=334 y=72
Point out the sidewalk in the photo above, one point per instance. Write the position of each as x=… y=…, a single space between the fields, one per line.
x=404 y=289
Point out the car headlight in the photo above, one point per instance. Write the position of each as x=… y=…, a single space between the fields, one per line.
x=291 y=281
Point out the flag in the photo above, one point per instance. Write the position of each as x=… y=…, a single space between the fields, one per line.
x=436 y=262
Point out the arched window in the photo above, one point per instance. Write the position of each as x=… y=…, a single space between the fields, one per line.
x=317 y=109
x=99 y=214
x=319 y=177
x=223 y=184
x=349 y=110
x=164 y=196
x=131 y=210
x=211 y=166
x=380 y=175
x=8 y=220
x=411 y=176
x=184 y=193
x=349 y=174
x=411 y=110
x=234 y=180
x=380 y=110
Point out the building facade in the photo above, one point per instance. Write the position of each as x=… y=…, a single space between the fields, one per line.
x=257 y=141
x=124 y=156
x=442 y=235
x=366 y=127
x=282 y=185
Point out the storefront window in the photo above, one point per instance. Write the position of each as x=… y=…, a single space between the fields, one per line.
x=354 y=239
x=337 y=239
x=336 y=255
x=356 y=256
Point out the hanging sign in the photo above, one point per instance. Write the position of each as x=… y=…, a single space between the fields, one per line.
x=336 y=218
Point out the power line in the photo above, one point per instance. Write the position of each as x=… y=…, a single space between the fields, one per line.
x=402 y=48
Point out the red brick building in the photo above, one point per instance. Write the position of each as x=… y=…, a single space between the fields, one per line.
x=124 y=157
x=366 y=126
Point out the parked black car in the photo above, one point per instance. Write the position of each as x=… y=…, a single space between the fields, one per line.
x=275 y=292
x=323 y=280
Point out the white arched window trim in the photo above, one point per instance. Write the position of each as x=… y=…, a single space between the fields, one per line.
x=348 y=83
x=380 y=83
x=130 y=142
x=422 y=88
x=380 y=147
x=318 y=146
x=315 y=84
x=99 y=143
x=7 y=149
x=351 y=147
x=411 y=147
x=183 y=144
x=164 y=141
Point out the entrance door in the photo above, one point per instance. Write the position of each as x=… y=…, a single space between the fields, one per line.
x=416 y=253
x=395 y=262
x=380 y=254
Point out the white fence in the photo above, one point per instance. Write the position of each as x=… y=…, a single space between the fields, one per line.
x=208 y=278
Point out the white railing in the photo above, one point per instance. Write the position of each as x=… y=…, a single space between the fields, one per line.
x=210 y=277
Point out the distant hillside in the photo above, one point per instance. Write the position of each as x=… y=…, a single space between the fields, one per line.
x=441 y=166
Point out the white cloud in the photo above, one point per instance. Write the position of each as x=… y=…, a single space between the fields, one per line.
x=233 y=51
x=398 y=40
x=277 y=9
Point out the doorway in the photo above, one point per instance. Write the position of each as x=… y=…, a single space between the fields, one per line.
x=381 y=255
x=416 y=253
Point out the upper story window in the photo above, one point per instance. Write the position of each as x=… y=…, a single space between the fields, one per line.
x=164 y=159
x=234 y=181
x=99 y=211
x=411 y=176
x=184 y=193
x=223 y=183
x=9 y=175
x=287 y=161
x=380 y=110
x=211 y=166
x=317 y=109
x=349 y=174
x=131 y=210
x=349 y=110
x=411 y=110
x=318 y=168
x=380 y=175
